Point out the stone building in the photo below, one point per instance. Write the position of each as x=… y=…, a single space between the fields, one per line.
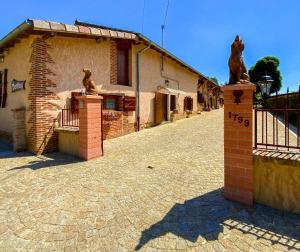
x=41 y=66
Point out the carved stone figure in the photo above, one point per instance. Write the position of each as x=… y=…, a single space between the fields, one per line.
x=89 y=84
x=237 y=69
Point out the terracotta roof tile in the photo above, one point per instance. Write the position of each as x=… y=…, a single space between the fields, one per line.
x=84 y=29
x=95 y=31
x=57 y=26
x=71 y=28
x=41 y=24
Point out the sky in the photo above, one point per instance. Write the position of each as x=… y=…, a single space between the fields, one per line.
x=199 y=32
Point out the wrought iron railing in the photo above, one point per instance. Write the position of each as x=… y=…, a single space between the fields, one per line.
x=69 y=118
x=277 y=123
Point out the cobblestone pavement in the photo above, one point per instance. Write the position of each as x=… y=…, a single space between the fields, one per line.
x=156 y=190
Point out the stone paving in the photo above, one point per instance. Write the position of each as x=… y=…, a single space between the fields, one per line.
x=156 y=190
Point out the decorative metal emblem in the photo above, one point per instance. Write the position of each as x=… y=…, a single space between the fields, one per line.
x=238 y=94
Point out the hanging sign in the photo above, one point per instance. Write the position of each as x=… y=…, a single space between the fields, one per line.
x=17 y=85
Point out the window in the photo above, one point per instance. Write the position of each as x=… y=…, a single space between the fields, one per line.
x=173 y=103
x=110 y=103
x=188 y=104
x=123 y=49
x=200 y=97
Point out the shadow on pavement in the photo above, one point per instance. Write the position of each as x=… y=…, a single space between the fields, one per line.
x=47 y=161
x=207 y=216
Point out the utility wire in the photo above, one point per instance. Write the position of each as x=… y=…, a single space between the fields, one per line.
x=143 y=16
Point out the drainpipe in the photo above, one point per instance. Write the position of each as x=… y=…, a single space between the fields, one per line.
x=138 y=88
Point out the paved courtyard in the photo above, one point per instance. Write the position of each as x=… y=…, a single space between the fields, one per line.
x=156 y=190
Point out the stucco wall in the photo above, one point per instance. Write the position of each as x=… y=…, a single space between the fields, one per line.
x=72 y=54
x=277 y=183
x=18 y=65
x=152 y=76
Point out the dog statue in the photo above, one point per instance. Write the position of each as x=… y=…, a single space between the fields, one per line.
x=237 y=69
x=89 y=84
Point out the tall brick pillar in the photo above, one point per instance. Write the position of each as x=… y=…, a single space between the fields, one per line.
x=90 y=136
x=238 y=142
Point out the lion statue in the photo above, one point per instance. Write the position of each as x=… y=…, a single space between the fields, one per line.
x=89 y=84
x=237 y=68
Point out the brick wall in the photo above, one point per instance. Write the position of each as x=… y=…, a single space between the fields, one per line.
x=113 y=63
x=115 y=124
x=41 y=135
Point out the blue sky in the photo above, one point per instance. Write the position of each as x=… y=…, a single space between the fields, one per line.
x=197 y=31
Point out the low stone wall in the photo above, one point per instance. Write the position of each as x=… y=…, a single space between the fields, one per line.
x=277 y=180
x=68 y=140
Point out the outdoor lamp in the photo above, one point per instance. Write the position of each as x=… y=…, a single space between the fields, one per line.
x=1 y=58
x=265 y=84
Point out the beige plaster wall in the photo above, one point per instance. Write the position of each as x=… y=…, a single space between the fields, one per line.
x=72 y=54
x=152 y=76
x=277 y=183
x=18 y=65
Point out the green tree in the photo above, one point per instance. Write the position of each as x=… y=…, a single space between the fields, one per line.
x=214 y=79
x=268 y=65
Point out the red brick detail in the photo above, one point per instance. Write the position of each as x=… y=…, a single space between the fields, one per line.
x=90 y=137
x=238 y=158
x=41 y=136
x=113 y=62
x=115 y=124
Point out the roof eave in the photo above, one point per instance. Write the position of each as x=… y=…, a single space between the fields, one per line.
x=26 y=25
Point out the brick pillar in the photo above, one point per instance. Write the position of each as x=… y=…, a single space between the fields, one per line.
x=238 y=142
x=90 y=137
x=19 y=129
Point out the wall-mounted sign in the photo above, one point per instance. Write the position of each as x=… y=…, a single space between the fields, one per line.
x=239 y=119
x=17 y=85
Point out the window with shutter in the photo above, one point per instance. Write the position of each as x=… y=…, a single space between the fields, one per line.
x=1 y=75
x=123 y=63
x=4 y=92
x=188 y=104
x=173 y=102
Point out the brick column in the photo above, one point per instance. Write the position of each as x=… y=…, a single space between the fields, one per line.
x=19 y=129
x=238 y=142
x=90 y=137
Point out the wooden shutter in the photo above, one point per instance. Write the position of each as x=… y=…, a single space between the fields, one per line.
x=122 y=66
x=4 y=95
x=185 y=104
x=158 y=108
x=129 y=103
x=191 y=102
x=1 y=75
x=75 y=102
x=120 y=103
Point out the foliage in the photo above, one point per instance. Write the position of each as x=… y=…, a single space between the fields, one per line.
x=268 y=65
x=214 y=79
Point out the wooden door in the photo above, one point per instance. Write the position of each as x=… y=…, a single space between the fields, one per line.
x=158 y=108
x=165 y=107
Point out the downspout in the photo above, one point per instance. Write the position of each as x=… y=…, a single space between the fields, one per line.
x=138 y=89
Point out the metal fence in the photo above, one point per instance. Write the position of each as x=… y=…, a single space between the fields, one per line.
x=277 y=122
x=69 y=118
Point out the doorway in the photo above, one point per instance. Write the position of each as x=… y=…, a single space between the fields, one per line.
x=161 y=107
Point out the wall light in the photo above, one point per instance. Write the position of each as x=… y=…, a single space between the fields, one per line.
x=1 y=58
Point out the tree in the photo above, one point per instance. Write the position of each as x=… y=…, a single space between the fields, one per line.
x=267 y=65
x=214 y=79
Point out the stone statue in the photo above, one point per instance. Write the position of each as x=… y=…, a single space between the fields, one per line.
x=89 y=84
x=237 y=68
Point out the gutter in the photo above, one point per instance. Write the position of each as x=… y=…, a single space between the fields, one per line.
x=14 y=33
x=138 y=88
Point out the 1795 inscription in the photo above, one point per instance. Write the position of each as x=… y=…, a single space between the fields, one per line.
x=236 y=117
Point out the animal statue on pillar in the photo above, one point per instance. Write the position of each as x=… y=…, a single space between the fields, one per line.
x=237 y=69
x=89 y=84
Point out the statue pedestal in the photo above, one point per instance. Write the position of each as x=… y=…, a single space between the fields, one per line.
x=238 y=142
